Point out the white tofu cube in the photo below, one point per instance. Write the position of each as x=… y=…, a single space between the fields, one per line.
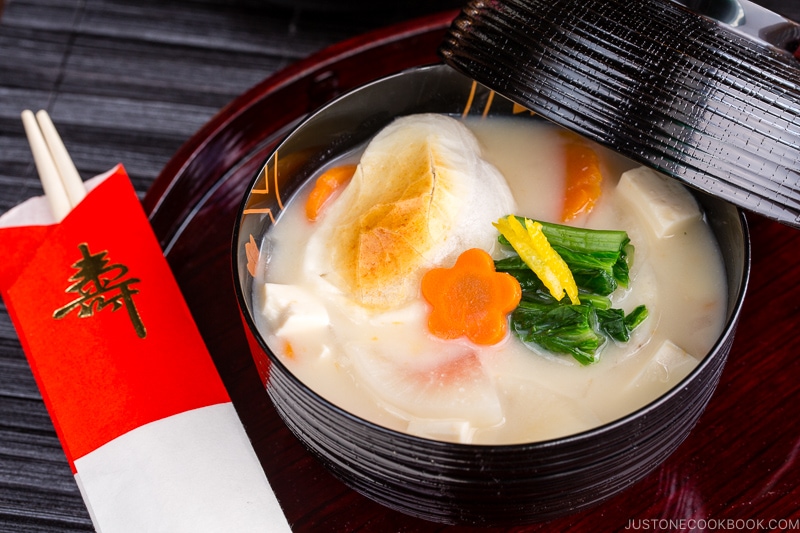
x=291 y=310
x=663 y=203
x=665 y=369
x=668 y=365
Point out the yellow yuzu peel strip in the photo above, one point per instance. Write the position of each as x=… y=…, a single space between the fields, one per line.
x=534 y=249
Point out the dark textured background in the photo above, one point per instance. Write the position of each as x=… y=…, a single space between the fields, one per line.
x=129 y=81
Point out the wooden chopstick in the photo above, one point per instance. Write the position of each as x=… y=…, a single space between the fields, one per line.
x=48 y=173
x=61 y=182
x=66 y=168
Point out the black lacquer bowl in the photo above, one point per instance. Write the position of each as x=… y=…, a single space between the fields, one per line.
x=458 y=483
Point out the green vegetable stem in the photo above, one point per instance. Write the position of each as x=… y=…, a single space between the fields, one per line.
x=600 y=263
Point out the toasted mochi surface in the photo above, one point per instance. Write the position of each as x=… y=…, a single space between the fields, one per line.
x=421 y=194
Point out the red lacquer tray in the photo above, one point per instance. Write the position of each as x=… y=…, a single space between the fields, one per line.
x=738 y=468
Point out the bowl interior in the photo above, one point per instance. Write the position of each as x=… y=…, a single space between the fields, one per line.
x=351 y=120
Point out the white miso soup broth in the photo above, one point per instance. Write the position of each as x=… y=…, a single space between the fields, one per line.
x=380 y=362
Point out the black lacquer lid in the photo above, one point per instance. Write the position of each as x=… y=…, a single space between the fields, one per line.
x=705 y=92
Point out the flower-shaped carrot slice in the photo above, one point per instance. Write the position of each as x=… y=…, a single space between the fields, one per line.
x=470 y=299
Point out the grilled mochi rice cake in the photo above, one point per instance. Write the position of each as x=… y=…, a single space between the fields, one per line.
x=421 y=195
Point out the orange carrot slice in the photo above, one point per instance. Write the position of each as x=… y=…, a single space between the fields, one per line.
x=327 y=185
x=252 y=253
x=470 y=299
x=583 y=178
x=288 y=350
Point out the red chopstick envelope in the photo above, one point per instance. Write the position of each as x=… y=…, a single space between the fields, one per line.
x=119 y=360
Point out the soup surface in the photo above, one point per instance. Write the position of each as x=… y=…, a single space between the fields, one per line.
x=381 y=363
